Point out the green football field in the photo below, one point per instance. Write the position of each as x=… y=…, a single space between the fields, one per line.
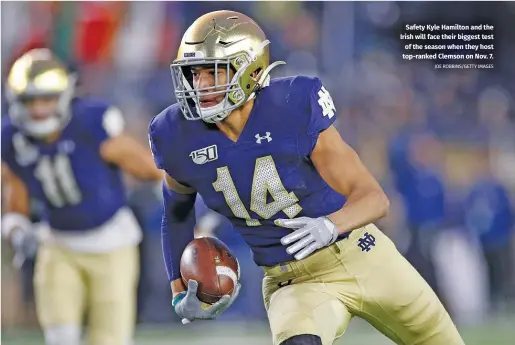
x=498 y=332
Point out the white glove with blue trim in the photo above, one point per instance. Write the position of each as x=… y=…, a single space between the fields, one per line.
x=188 y=307
x=310 y=235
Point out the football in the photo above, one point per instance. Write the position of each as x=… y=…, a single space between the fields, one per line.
x=210 y=262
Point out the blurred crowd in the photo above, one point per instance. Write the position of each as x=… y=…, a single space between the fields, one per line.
x=441 y=142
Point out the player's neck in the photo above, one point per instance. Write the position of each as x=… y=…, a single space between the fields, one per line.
x=233 y=125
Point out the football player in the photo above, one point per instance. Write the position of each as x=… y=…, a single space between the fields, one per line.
x=69 y=152
x=265 y=154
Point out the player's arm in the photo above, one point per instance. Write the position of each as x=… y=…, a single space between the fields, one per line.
x=131 y=156
x=15 y=203
x=177 y=231
x=121 y=149
x=178 y=222
x=342 y=169
x=16 y=225
x=177 y=228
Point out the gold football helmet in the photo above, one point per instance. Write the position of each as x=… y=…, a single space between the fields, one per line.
x=228 y=40
x=38 y=73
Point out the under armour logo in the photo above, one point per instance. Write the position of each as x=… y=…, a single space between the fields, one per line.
x=366 y=242
x=259 y=138
x=326 y=102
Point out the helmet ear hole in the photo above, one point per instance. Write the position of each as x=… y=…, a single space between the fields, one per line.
x=256 y=74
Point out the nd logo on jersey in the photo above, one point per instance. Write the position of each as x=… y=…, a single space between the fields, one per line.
x=326 y=103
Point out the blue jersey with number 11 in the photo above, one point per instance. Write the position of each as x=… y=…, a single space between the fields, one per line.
x=79 y=189
x=266 y=174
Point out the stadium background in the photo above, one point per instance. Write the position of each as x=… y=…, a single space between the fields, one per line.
x=442 y=144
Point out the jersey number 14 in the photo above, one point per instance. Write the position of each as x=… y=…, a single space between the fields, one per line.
x=266 y=181
x=58 y=181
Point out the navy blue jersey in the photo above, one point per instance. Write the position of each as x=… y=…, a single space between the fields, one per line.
x=79 y=189
x=267 y=174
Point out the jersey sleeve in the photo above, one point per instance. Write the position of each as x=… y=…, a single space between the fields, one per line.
x=106 y=121
x=321 y=113
x=163 y=136
x=153 y=140
x=322 y=109
x=113 y=122
x=110 y=124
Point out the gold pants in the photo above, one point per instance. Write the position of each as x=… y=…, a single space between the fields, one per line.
x=67 y=284
x=320 y=294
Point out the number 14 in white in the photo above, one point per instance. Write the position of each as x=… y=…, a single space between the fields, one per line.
x=266 y=181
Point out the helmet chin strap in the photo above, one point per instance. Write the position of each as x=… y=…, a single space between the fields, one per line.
x=215 y=113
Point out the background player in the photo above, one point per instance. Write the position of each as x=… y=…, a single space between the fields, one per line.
x=69 y=152
x=264 y=151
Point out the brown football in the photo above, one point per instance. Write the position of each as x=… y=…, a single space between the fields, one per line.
x=208 y=261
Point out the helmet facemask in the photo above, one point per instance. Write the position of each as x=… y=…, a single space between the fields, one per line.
x=188 y=97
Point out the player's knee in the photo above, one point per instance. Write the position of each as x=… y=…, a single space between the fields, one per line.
x=303 y=339
x=62 y=335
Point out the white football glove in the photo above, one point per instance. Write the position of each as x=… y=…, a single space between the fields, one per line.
x=23 y=236
x=311 y=235
x=25 y=245
x=188 y=307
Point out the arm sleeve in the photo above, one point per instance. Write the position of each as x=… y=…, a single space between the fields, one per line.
x=177 y=228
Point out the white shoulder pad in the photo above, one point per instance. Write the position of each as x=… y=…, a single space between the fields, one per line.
x=113 y=121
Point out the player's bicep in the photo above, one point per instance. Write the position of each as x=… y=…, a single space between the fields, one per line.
x=339 y=165
x=178 y=187
x=121 y=149
x=15 y=195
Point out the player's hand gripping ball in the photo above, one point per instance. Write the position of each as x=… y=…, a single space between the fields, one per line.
x=211 y=273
